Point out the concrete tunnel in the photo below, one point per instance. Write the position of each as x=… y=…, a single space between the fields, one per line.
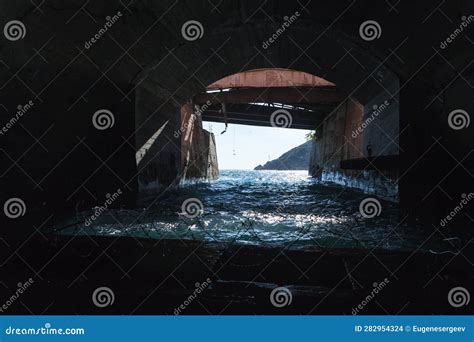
x=101 y=97
x=149 y=85
x=339 y=155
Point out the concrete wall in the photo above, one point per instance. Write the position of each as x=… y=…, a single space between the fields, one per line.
x=55 y=159
x=437 y=160
x=171 y=144
x=158 y=150
x=198 y=147
x=212 y=164
x=359 y=133
x=382 y=117
x=330 y=145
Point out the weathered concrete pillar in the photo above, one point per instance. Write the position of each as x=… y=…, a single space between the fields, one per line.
x=198 y=147
x=170 y=141
x=158 y=141
x=354 y=147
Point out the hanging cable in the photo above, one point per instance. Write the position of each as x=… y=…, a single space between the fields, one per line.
x=224 y=112
x=233 y=150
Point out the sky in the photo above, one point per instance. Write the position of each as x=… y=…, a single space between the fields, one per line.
x=253 y=145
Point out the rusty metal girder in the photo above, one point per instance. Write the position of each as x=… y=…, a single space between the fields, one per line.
x=255 y=115
x=321 y=95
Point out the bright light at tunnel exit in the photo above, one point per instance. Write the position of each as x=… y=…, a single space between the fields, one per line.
x=244 y=147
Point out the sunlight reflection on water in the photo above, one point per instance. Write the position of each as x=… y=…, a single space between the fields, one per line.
x=271 y=208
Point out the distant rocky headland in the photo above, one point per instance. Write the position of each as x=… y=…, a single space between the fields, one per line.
x=295 y=159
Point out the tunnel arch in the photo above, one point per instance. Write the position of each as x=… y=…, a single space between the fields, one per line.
x=179 y=73
x=190 y=67
x=325 y=163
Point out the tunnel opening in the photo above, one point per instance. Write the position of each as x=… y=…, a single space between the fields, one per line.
x=365 y=146
x=352 y=157
x=353 y=153
x=354 y=145
x=243 y=147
